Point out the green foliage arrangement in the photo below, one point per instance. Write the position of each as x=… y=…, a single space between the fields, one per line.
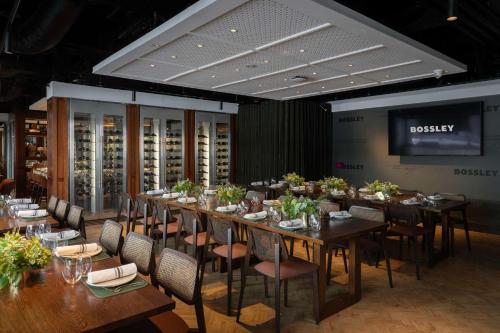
x=186 y=186
x=384 y=187
x=294 y=179
x=230 y=193
x=294 y=207
x=333 y=183
x=18 y=254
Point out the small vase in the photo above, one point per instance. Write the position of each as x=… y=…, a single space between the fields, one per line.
x=305 y=220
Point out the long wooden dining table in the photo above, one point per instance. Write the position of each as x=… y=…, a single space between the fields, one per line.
x=332 y=231
x=8 y=223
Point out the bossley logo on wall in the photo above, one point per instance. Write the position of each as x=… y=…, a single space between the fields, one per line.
x=432 y=129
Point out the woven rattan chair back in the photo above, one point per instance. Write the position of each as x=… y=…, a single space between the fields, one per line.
x=178 y=273
x=138 y=249
x=263 y=244
x=163 y=213
x=328 y=206
x=52 y=204
x=219 y=230
x=348 y=202
x=188 y=218
x=366 y=213
x=75 y=217
x=111 y=237
x=143 y=206
x=252 y=194
x=453 y=196
x=61 y=210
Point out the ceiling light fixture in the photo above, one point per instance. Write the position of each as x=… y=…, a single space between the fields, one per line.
x=214 y=76
x=200 y=45
x=351 y=82
x=173 y=56
x=349 y=65
x=237 y=69
x=266 y=61
x=452 y=11
x=233 y=30
x=322 y=87
x=315 y=73
x=152 y=65
x=302 y=50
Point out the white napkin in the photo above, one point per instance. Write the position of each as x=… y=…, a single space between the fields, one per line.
x=31 y=213
x=154 y=192
x=271 y=202
x=209 y=192
x=380 y=196
x=19 y=201
x=76 y=249
x=172 y=195
x=260 y=183
x=187 y=200
x=410 y=201
x=291 y=223
x=298 y=188
x=67 y=234
x=259 y=215
x=25 y=206
x=341 y=214
x=230 y=208
x=111 y=273
x=276 y=185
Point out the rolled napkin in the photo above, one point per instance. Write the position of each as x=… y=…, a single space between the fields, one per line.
x=271 y=202
x=25 y=206
x=173 y=195
x=410 y=201
x=187 y=200
x=276 y=185
x=291 y=223
x=259 y=215
x=32 y=213
x=380 y=196
x=230 y=208
x=19 y=201
x=259 y=183
x=154 y=192
x=339 y=215
x=210 y=192
x=76 y=249
x=298 y=188
x=111 y=273
x=66 y=234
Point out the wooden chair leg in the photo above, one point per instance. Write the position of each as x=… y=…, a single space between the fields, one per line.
x=277 y=303
x=345 y=261
x=467 y=237
x=200 y=316
x=415 y=252
x=400 y=247
x=244 y=271
x=286 y=292
x=266 y=289
x=229 y=285
x=316 y=296
x=306 y=245
x=329 y=265
x=452 y=239
x=292 y=243
x=387 y=260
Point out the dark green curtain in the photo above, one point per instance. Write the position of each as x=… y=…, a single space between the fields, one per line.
x=275 y=138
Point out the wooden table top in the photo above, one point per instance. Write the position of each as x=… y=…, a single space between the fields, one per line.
x=47 y=304
x=7 y=223
x=331 y=231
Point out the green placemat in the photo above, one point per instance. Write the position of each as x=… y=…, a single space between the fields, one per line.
x=101 y=256
x=77 y=240
x=101 y=292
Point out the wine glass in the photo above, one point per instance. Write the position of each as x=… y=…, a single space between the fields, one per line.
x=40 y=230
x=72 y=272
x=29 y=231
x=255 y=201
x=314 y=222
x=86 y=264
x=244 y=207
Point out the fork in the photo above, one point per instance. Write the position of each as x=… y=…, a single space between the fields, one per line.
x=123 y=286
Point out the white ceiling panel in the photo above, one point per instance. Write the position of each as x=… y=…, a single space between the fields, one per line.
x=278 y=49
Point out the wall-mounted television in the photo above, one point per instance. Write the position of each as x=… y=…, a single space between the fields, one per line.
x=454 y=129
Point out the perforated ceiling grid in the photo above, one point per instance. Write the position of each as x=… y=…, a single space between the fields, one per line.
x=272 y=49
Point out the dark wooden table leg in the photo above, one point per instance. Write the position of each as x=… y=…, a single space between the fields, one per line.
x=354 y=270
x=319 y=258
x=445 y=246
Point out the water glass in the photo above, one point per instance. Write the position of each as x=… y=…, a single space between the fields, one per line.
x=40 y=230
x=315 y=222
x=29 y=231
x=72 y=272
x=86 y=265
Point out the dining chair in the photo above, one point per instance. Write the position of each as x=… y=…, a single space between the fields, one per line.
x=125 y=209
x=168 y=223
x=76 y=221
x=252 y=194
x=111 y=237
x=348 y=202
x=138 y=249
x=404 y=222
x=61 y=213
x=228 y=246
x=275 y=263
x=457 y=217
x=51 y=205
x=143 y=214
x=192 y=227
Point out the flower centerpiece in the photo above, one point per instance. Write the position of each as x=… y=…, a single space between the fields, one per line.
x=17 y=255
x=186 y=187
x=228 y=193
x=294 y=179
x=386 y=188
x=295 y=207
x=333 y=183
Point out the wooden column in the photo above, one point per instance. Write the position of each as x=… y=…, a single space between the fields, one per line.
x=20 y=152
x=189 y=156
x=57 y=147
x=234 y=149
x=133 y=137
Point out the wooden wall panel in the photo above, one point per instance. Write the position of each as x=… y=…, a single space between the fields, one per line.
x=234 y=150
x=133 y=133
x=189 y=156
x=20 y=152
x=57 y=147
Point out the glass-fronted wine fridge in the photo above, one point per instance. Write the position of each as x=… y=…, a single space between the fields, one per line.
x=97 y=155
x=162 y=147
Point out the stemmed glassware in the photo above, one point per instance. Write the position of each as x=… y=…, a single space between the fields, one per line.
x=29 y=231
x=86 y=264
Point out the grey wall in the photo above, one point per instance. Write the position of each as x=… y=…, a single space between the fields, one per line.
x=360 y=153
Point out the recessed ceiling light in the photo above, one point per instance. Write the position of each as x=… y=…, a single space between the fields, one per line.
x=266 y=61
x=322 y=87
x=352 y=82
x=237 y=69
x=152 y=65
x=233 y=30
x=173 y=56
x=284 y=79
x=301 y=50
x=260 y=85
x=200 y=45
x=350 y=65
x=387 y=76
x=214 y=76
x=315 y=73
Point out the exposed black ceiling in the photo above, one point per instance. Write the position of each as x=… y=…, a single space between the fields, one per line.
x=102 y=27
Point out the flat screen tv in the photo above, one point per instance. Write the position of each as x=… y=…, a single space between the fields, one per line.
x=454 y=129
